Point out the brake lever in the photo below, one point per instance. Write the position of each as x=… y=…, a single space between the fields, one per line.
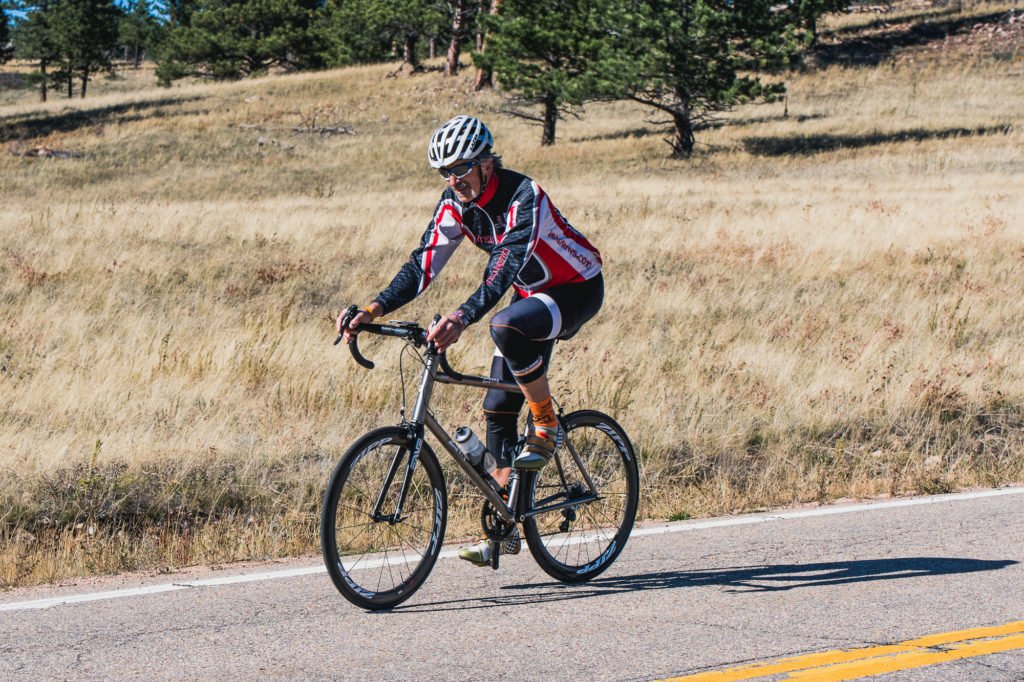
x=353 y=345
x=350 y=312
x=431 y=348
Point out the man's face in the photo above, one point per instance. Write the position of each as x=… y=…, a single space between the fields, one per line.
x=468 y=187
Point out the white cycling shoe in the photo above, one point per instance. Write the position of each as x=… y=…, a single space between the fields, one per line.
x=480 y=553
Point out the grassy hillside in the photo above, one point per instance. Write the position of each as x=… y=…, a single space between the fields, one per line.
x=826 y=301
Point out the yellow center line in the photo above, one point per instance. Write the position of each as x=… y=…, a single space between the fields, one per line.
x=848 y=664
x=917 y=659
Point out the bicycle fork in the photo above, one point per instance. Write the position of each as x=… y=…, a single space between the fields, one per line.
x=415 y=426
x=414 y=452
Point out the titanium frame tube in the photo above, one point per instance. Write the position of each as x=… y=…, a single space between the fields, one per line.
x=488 y=491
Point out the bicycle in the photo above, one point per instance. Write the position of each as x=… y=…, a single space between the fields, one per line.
x=384 y=512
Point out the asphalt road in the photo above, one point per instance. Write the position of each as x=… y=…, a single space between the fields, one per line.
x=706 y=596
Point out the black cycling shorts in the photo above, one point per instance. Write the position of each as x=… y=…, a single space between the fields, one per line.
x=525 y=334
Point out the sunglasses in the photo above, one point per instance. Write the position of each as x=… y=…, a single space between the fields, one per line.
x=459 y=172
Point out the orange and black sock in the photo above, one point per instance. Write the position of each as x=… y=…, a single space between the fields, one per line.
x=545 y=423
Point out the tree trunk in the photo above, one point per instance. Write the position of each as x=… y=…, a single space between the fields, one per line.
x=409 y=51
x=451 y=65
x=85 y=81
x=682 y=138
x=479 y=40
x=484 y=77
x=433 y=47
x=136 y=59
x=71 y=85
x=550 y=120
x=42 y=81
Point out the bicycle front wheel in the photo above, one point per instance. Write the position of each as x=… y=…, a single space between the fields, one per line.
x=579 y=541
x=376 y=556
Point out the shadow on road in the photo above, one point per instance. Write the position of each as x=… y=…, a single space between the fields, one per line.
x=738 y=579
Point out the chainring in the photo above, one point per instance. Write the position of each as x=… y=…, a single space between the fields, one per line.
x=495 y=528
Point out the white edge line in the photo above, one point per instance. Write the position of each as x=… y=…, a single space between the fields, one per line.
x=677 y=527
x=822 y=511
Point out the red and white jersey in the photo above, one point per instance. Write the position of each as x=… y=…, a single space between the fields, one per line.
x=531 y=246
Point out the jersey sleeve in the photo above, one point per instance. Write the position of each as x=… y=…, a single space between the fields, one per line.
x=442 y=236
x=507 y=258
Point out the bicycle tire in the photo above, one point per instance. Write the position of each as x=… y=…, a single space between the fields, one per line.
x=578 y=543
x=374 y=563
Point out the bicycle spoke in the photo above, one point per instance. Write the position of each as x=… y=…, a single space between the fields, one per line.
x=592 y=510
x=583 y=546
x=604 y=536
x=356 y=510
x=410 y=546
x=365 y=552
x=365 y=529
x=612 y=518
x=401 y=546
x=387 y=562
x=405 y=559
x=354 y=525
x=419 y=528
x=380 y=577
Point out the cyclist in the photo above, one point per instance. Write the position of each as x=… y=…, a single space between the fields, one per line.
x=554 y=271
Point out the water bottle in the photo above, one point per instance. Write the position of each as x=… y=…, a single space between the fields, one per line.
x=477 y=454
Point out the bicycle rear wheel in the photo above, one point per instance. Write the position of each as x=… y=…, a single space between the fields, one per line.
x=580 y=541
x=375 y=559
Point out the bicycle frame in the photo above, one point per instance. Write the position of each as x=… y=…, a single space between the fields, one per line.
x=436 y=370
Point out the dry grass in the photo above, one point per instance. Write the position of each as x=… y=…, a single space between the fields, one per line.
x=819 y=305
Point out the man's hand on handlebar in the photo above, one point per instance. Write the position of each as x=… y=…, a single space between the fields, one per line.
x=446 y=332
x=368 y=314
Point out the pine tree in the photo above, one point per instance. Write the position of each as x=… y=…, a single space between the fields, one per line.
x=178 y=12
x=6 y=49
x=375 y=30
x=231 y=39
x=84 y=32
x=350 y=40
x=547 y=54
x=138 y=29
x=692 y=59
x=34 y=41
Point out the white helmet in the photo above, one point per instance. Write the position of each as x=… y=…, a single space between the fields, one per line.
x=462 y=138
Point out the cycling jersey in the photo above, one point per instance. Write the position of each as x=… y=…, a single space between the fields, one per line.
x=532 y=247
